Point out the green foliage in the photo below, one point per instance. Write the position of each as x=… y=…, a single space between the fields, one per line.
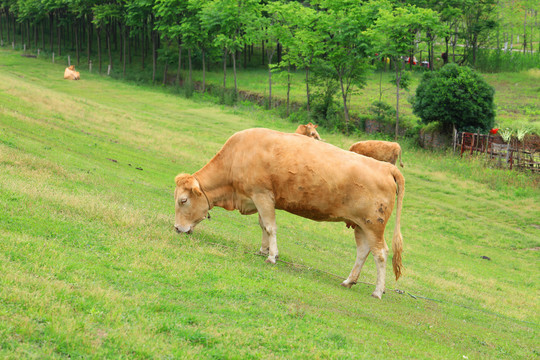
x=455 y=96
x=382 y=111
x=325 y=108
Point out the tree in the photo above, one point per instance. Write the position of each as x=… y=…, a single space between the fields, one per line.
x=230 y=21
x=457 y=97
x=479 y=19
x=300 y=39
x=344 y=44
x=394 y=35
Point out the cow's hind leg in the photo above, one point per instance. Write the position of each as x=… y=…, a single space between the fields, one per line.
x=362 y=251
x=379 y=249
x=267 y=221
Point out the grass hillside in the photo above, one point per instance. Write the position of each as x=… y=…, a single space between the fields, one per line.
x=90 y=266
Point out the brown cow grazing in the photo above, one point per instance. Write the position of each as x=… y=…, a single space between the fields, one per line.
x=380 y=150
x=71 y=74
x=308 y=130
x=260 y=170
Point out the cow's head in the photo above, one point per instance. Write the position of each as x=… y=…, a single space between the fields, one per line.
x=190 y=202
x=71 y=67
x=311 y=132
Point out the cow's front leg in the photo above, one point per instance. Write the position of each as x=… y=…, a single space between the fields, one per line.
x=265 y=247
x=267 y=221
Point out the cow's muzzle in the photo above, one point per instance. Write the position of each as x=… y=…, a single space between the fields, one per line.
x=181 y=230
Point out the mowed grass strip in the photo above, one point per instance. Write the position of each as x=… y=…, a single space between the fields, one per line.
x=91 y=267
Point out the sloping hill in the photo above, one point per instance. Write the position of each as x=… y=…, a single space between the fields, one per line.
x=90 y=265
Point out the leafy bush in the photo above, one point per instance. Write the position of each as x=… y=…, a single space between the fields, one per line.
x=455 y=96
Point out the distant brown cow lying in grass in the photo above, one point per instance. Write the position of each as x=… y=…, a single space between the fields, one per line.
x=308 y=130
x=380 y=150
x=71 y=74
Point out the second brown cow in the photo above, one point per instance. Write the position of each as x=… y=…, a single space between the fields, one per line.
x=379 y=150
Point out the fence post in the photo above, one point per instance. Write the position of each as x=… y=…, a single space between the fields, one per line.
x=90 y=65
x=109 y=70
x=38 y=52
x=53 y=57
x=69 y=60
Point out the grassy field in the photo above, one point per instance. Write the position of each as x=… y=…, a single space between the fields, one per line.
x=90 y=266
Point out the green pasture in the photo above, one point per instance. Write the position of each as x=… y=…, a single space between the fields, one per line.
x=91 y=267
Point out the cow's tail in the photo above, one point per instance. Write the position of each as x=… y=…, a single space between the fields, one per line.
x=397 y=241
x=400 y=162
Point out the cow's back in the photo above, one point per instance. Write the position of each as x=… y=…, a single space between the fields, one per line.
x=307 y=177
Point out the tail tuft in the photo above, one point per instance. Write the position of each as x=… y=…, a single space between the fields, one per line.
x=397 y=241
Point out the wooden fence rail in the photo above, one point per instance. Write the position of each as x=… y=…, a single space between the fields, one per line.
x=515 y=154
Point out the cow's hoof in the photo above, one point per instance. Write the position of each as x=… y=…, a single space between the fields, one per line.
x=271 y=260
x=377 y=295
x=264 y=252
x=347 y=285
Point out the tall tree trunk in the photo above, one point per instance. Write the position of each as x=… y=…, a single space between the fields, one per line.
x=288 y=87
x=270 y=54
x=307 y=84
x=224 y=70
x=124 y=38
x=14 y=30
x=59 y=36
x=108 y=38
x=166 y=68
x=179 y=62
x=1 y=27
x=398 y=80
x=7 y=25
x=115 y=35
x=262 y=52
x=246 y=47
x=190 y=76
x=89 y=40
x=36 y=36
x=525 y=33
x=154 y=51
x=344 y=96
x=77 y=40
x=128 y=36
x=234 y=74
x=98 y=29
x=203 y=70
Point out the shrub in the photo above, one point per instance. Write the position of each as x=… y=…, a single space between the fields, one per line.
x=455 y=96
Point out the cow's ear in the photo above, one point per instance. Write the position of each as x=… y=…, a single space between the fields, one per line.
x=315 y=126
x=195 y=187
x=196 y=190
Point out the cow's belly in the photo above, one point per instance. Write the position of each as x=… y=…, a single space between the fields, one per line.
x=246 y=206
x=323 y=211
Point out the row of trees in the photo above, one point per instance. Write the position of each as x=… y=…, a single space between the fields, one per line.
x=338 y=39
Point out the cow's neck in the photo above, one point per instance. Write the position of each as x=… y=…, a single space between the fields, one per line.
x=215 y=182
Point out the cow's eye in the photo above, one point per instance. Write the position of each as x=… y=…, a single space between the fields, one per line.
x=183 y=200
